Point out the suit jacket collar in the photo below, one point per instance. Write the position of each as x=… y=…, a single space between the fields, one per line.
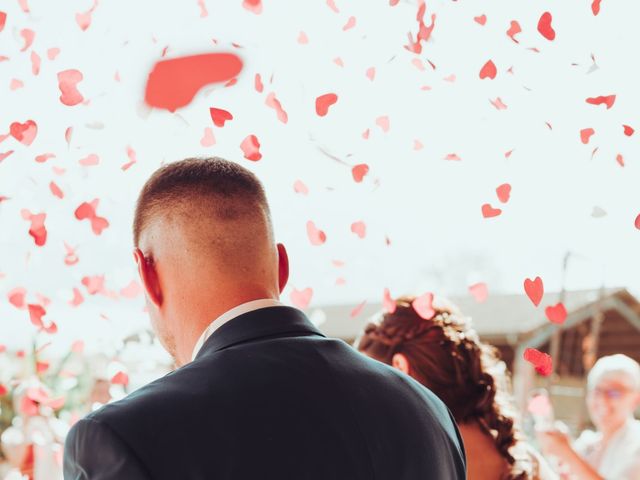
x=265 y=322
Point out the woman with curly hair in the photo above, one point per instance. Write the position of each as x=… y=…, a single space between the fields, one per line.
x=443 y=353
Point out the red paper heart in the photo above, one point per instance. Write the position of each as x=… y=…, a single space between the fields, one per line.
x=120 y=378
x=359 y=228
x=608 y=100
x=585 y=134
x=482 y=19
x=25 y=132
x=173 y=83
x=488 y=71
x=323 y=103
x=637 y=223
x=479 y=291
x=504 y=192
x=388 y=303
x=301 y=298
x=628 y=131
x=544 y=26
x=534 y=290
x=556 y=313
x=36 y=312
x=219 y=116
x=359 y=171
x=316 y=236
x=540 y=360
x=68 y=84
x=514 y=29
x=488 y=211
x=250 y=147
x=423 y=305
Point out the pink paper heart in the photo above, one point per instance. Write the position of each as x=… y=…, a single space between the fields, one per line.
x=423 y=305
x=534 y=290
x=301 y=298
x=316 y=236
x=556 y=313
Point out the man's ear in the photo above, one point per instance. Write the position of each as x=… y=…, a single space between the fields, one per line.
x=400 y=362
x=283 y=267
x=148 y=276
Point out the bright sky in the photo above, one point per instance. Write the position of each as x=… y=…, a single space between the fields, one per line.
x=563 y=196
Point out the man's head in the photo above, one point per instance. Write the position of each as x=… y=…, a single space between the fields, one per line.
x=613 y=391
x=203 y=244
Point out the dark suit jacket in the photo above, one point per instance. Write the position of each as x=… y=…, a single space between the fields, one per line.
x=269 y=397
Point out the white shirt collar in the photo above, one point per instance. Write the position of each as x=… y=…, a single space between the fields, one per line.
x=230 y=315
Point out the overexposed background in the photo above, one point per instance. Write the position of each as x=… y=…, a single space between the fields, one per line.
x=564 y=197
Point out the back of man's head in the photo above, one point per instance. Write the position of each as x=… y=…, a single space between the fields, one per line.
x=204 y=243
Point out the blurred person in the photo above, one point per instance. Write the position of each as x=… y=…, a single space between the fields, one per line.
x=259 y=393
x=613 y=451
x=445 y=355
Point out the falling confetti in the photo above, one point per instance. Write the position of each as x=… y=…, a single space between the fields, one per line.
x=88 y=211
x=489 y=212
x=37 y=229
x=488 y=71
x=219 y=116
x=254 y=6
x=300 y=187
x=359 y=228
x=541 y=361
x=481 y=20
x=545 y=28
x=585 y=134
x=595 y=7
x=323 y=102
x=534 y=290
x=556 y=313
x=67 y=82
x=208 y=139
x=25 y=132
x=301 y=298
x=250 y=147
x=514 y=29
x=316 y=236
x=628 y=131
x=479 y=291
x=423 y=305
x=272 y=102
x=504 y=192
x=606 y=100
x=28 y=36
x=388 y=303
x=359 y=171
x=383 y=123
x=173 y=83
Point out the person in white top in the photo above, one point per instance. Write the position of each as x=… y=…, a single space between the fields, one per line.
x=613 y=451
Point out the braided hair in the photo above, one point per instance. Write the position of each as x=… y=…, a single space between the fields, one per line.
x=446 y=355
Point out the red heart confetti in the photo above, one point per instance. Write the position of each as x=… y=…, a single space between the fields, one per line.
x=302 y=38
x=17 y=296
x=37 y=229
x=498 y=103
x=94 y=284
x=620 y=159
x=479 y=291
x=350 y=24
x=423 y=305
x=254 y=6
x=71 y=258
x=452 y=156
x=489 y=212
x=544 y=26
x=316 y=236
x=77 y=298
x=132 y=159
x=35 y=63
x=383 y=123
x=89 y=160
x=203 y=9
x=52 y=53
x=534 y=290
x=3 y=20
x=607 y=100
x=388 y=303
x=250 y=147
x=208 y=139
x=637 y=222
x=219 y=116
x=273 y=102
x=540 y=360
x=132 y=290
x=301 y=298
x=36 y=312
x=504 y=192
x=120 y=378
x=628 y=131
x=356 y=311
x=585 y=134
x=556 y=313
x=84 y=19
x=300 y=187
x=359 y=171
x=258 y=83
x=173 y=83
x=371 y=73
x=55 y=190
x=332 y=6
x=359 y=228
x=514 y=29
x=25 y=132
x=68 y=84
x=44 y=157
x=482 y=19
x=488 y=70
x=28 y=35
x=595 y=7
x=323 y=102
x=4 y=155
x=88 y=211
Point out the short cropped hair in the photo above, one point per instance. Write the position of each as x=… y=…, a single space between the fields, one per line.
x=617 y=363
x=230 y=189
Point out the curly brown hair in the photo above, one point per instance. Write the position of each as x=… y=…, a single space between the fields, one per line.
x=446 y=355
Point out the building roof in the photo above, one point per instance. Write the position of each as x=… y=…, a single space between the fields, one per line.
x=502 y=317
